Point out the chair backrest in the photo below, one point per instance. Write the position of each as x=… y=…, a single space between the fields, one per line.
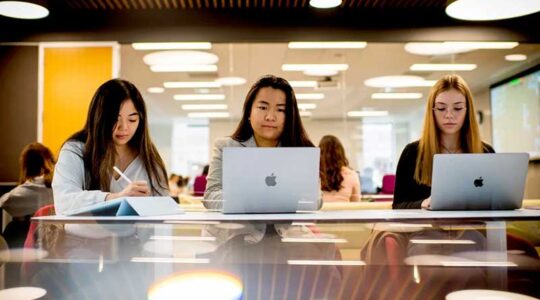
x=388 y=184
x=199 y=185
x=47 y=210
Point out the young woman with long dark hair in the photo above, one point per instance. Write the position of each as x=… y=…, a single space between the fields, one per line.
x=115 y=134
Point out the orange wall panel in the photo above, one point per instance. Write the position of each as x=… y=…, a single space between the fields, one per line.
x=70 y=78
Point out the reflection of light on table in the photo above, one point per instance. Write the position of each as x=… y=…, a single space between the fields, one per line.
x=183 y=238
x=22 y=293
x=452 y=242
x=171 y=260
x=486 y=294
x=327 y=262
x=22 y=255
x=313 y=240
x=197 y=285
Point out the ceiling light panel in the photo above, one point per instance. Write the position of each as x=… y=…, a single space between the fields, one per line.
x=184 y=68
x=180 y=58
x=156 y=90
x=191 y=84
x=442 y=67
x=307 y=105
x=305 y=67
x=398 y=81
x=231 y=81
x=487 y=10
x=324 y=3
x=172 y=46
x=515 y=57
x=22 y=10
x=301 y=84
x=327 y=45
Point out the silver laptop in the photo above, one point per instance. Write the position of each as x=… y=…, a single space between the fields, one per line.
x=478 y=181
x=270 y=180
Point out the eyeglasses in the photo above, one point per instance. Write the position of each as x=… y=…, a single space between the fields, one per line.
x=453 y=110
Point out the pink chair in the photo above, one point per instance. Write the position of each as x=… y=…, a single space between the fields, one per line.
x=388 y=185
x=199 y=186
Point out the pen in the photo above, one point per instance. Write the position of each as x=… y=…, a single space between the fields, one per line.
x=121 y=174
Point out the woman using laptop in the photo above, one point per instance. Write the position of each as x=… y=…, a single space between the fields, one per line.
x=339 y=183
x=115 y=135
x=450 y=126
x=270 y=119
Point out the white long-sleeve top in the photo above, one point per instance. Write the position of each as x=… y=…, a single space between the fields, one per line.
x=69 y=180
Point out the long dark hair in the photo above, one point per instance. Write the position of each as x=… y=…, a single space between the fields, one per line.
x=99 y=151
x=332 y=160
x=36 y=160
x=294 y=134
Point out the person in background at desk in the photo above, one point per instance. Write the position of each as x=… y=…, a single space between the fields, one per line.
x=34 y=191
x=115 y=134
x=270 y=119
x=450 y=126
x=339 y=183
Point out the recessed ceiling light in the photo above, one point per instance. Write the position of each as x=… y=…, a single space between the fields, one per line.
x=321 y=72
x=327 y=45
x=184 y=68
x=204 y=106
x=307 y=83
x=442 y=67
x=367 y=113
x=22 y=10
x=156 y=90
x=396 y=95
x=191 y=84
x=189 y=97
x=309 y=96
x=172 y=46
x=398 y=81
x=305 y=67
x=483 y=45
x=324 y=3
x=213 y=114
x=515 y=57
x=484 y=10
x=435 y=48
x=231 y=81
x=180 y=58
x=307 y=105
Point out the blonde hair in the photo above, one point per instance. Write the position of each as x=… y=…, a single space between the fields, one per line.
x=429 y=142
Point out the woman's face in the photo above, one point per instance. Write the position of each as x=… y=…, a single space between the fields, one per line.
x=450 y=110
x=127 y=123
x=267 y=117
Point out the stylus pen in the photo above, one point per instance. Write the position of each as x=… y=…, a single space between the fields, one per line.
x=121 y=174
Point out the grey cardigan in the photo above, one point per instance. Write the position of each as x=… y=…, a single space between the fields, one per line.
x=213 y=196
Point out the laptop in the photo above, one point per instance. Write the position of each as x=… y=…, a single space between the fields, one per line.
x=270 y=180
x=478 y=181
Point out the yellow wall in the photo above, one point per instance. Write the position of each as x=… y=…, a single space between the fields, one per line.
x=70 y=78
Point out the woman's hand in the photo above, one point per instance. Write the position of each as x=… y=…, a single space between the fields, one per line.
x=426 y=204
x=134 y=189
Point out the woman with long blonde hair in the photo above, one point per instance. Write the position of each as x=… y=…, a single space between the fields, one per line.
x=450 y=126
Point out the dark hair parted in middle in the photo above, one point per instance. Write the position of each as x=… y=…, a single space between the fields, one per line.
x=97 y=135
x=332 y=160
x=294 y=134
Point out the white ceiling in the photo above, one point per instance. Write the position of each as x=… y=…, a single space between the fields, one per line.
x=254 y=60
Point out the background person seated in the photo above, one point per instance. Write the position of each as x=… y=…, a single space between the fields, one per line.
x=34 y=191
x=338 y=181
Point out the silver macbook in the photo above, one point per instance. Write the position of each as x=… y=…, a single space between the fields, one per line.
x=270 y=180
x=478 y=181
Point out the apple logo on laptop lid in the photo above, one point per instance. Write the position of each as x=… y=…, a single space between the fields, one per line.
x=270 y=180
x=479 y=182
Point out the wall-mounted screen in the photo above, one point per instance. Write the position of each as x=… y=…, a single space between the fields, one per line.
x=515 y=108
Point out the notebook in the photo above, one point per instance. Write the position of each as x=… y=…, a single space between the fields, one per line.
x=270 y=180
x=130 y=206
x=478 y=181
